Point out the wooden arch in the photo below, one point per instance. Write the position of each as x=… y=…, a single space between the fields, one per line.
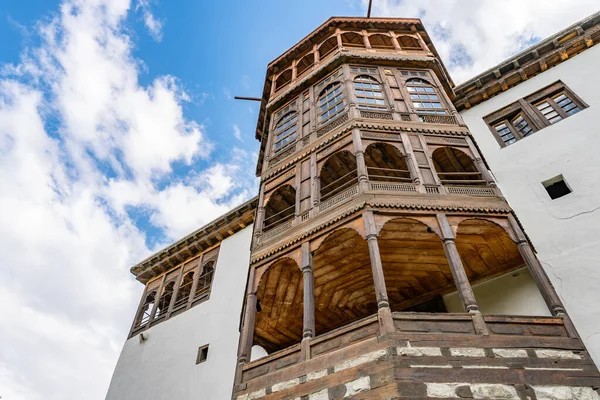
x=381 y=41
x=279 y=296
x=280 y=207
x=283 y=79
x=385 y=162
x=415 y=266
x=344 y=288
x=305 y=63
x=328 y=46
x=407 y=42
x=486 y=249
x=454 y=166
x=337 y=173
x=352 y=39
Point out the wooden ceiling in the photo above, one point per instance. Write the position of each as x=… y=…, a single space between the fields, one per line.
x=344 y=289
x=280 y=294
x=414 y=265
x=486 y=249
x=280 y=205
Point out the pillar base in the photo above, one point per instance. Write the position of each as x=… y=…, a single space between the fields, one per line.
x=479 y=323
x=305 y=348
x=386 y=321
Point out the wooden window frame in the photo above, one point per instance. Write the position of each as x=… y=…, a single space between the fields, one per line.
x=527 y=107
x=444 y=110
x=366 y=106
x=342 y=101
x=294 y=132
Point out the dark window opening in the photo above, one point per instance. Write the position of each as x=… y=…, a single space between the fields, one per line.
x=557 y=187
x=202 y=354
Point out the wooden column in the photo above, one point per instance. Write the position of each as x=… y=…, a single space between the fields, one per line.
x=349 y=93
x=413 y=166
x=537 y=272
x=386 y=322
x=175 y=291
x=309 y=300
x=138 y=310
x=465 y=292
x=314 y=184
x=485 y=173
x=260 y=210
x=156 y=300
x=395 y=41
x=195 y=282
x=361 y=167
x=249 y=316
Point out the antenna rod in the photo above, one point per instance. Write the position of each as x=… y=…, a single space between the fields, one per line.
x=369 y=10
x=248 y=98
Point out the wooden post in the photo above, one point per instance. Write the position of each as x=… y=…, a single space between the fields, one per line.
x=309 y=300
x=350 y=93
x=260 y=210
x=395 y=41
x=156 y=300
x=314 y=183
x=248 y=327
x=386 y=322
x=485 y=173
x=138 y=310
x=465 y=292
x=174 y=294
x=361 y=167
x=410 y=159
x=195 y=282
x=541 y=278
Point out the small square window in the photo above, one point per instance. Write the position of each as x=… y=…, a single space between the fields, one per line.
x=202 y=354
x=557 y=187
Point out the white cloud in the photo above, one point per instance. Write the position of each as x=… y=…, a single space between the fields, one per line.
x=237 y=133
x=474 y=35
x=81 y=143
x=153 y=25
x=227 y=93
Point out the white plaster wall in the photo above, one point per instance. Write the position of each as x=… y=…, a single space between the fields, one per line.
x=164 y=367
x=514 y=293
x=565 y=231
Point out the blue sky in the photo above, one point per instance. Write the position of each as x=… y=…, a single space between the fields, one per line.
x=119 y=134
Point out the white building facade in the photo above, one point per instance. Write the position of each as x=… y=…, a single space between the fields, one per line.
x=565 y=230
x=192 y=353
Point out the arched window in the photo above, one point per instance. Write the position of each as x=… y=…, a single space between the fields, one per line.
x=285 y=131
x=283 y=79
x=205 y=280
x=369 y=93
x=331 y=102
x=165 y=299
x=380 y=41
x=185 y=288
x=409 y=43
x=352 y=39
x=424 y=97
x=305 y=64
x=146 y=310
x=328 y=47
x=281 y=206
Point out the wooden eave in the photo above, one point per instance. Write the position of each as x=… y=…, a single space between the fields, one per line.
x=536 y=59
x=196 y=242
x=324 y=31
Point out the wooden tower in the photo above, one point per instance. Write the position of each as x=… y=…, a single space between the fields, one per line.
x=375 y=206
